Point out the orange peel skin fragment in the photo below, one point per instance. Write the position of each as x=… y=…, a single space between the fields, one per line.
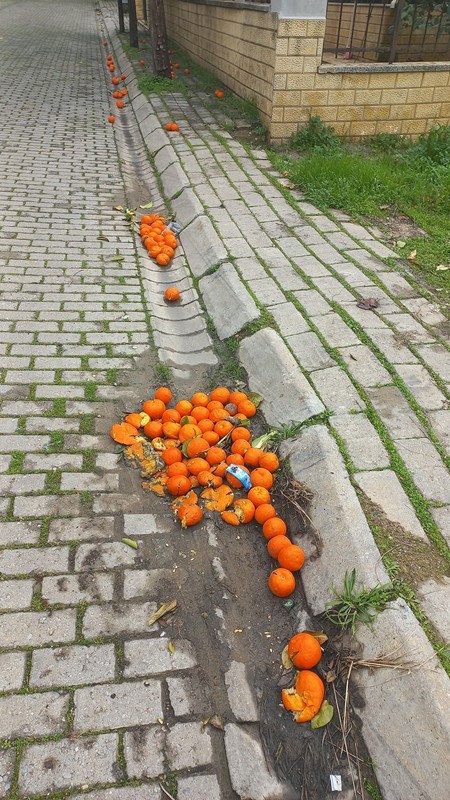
x=123 y=433
x=218 y=499
x=188 y=499
x=157 y=485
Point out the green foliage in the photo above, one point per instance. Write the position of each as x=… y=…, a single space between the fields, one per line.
x=155 y=84
x=434 y=146
x=315 y=136
x=425 y=14
x=357 y=605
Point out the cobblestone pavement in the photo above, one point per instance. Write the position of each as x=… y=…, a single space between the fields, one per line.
x=92 y=701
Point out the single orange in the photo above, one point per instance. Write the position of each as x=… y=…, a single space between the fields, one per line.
x=215 y=455
x=240 y=446
x=200 y=399
x=220 y=393
x=223 y=427
x=237 y=397
x=274 y=526
x=184 y=407
x=291 y=557
x=217 y=414
x=245 y=509
x=276 y=544
x=304 y=650
x=199 y=413
x=205 y=425
x=188 y=432
x=170 y=415
x=171 y=430
x=269 y=461
x=171 y=455
x=259 y=495
x=247 y=407
x=177 y=468
x=252 y=457
x=264 y=512
x=197 y=465
x=178 y=485
x=163 y=393
x=211 y=437
x=153 y=429
x=235 y=458
x=261 y=477
x=154 y=408
x=230 y=517
x=240 y=432
x=196 y=446
x=281 y=582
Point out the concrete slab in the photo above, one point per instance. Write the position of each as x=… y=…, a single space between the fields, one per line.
x=435 y=602
x=346 y=541
x=186 y=207
x=243 y=748
x=227 y=301
x=405 y=723
x=365 y=447
x=202 y=246
x=274 y=374
x=384 y=488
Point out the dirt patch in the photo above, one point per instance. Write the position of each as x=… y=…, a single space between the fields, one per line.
x=415 y=560
x=395 y=228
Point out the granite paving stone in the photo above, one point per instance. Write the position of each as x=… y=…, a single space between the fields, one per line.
x=364 y=446
x=120 y=705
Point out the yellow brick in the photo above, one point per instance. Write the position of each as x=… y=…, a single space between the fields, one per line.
x=384 y=126
x=289 y=64
x=282 y=130
x=441 y=94
x=415 y=126
x=362 y=128
x=314 y=98
x=396 y=96
x=409 y=80
x=278 y=114
x=403 y=111
x=316 y=27
x=327 y=113
x=291 y=114
x=286 y=98
x=298 y=46
x=436 y=79
x=280 y=81
x=428 y=111
x=349 y=113
x=369 y=96
x=376 y=112
x=354 y=81
x=282 y=46
x=300 y=81
x=418 y=95
x=311 y=64
x=341 y=98
x=445 y=112
x=292 y=27
x=330 y=81
x=341 y=128
x=382 y=80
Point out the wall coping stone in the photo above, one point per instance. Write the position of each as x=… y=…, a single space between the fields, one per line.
x=238 y=4
x=413 y=66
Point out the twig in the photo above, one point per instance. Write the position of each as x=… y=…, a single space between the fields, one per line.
x=163 y=789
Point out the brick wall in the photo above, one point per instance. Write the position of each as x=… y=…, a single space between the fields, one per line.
x=236 y=45
x=279 y=63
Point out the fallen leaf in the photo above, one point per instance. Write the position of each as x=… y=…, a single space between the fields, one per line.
x=166 y=608
x=147 y=205
x=118 y=258
x=319 y=635
x=130 y=543
x=118 y=208
x=442 y=268
x=103 y=238
x=171 y=647
x=368 y=303
x=400 y=244
x=412 y=256
x=256 y=398
x=215 y=721
x=323 y=716
x=285 y=660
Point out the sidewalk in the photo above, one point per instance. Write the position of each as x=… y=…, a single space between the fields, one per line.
x=92 y=703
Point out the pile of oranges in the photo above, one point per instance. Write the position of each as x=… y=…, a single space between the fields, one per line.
x=159 y=240
x=205 y=452
x=118 y=94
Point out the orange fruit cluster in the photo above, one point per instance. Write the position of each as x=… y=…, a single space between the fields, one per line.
x=304 y=699
x=159 y=241
x=118 y=94
x=205 y=444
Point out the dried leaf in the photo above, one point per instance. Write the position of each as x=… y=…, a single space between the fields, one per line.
x=323 y=716
x=214 y=720
x=147 y=205
x=256 y=399
x=118 y=258
x=103 y=238
x=118 y=208
x=166 y=608
x=412 y=256
x=285 y=660
x=442 y=268
x=319 y=635
x=400 y=244
x=171 y=647
x=130 y=543
x=368 y=303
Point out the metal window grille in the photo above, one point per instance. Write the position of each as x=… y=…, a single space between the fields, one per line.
x=388 y=30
